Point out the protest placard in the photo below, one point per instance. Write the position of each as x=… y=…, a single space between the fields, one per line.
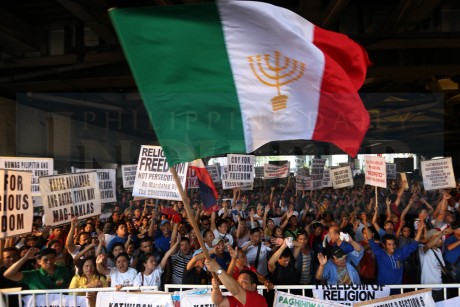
x=38 y=166
x=376 y=171
x=153 y=178
x=192 y=179
x=416 y=298
x=317 y=170
x=128 y=173
x=15 y=202
x=68 y=195
x=283 y=299
x=227 y=185
x=303 y=183
x=144 y=299
x=259 y=171
x=341 y=177
x=213 y=171
x=391 y=170
x=438 y=174
x=240 y=168
x=272 y=171
x=327 y=181
x=53 y=299
x=452 y=302
x=106 y=179
x=350 y=294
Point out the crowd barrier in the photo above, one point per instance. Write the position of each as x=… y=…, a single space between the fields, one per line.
x=6 y=293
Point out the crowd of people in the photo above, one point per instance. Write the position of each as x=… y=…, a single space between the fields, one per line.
x=269 y=236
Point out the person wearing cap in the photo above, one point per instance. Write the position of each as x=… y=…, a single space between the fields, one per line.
x=431 y=261
x=219 y=254
x=48 y=276
x=340 y=268
x=164 y=235
x=243 y=290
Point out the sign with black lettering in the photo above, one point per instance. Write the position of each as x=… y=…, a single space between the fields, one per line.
x=68 y=195
x=16 y=209
x=213 y=171
x=283 y=299
x=317 y=170
x=192 y=179
x=303 y=183
x=227 y=185
x=128 y=173
x=106 y=179
x=391 y=170
x=416 y=298
x=197 y=300
x=121 y=299
x=240 y=168
x=153 y=178
x=438 y=174
x=341 y=177
x=327 y=181
x=38 y=166
x=376 y=171
x=350 y=294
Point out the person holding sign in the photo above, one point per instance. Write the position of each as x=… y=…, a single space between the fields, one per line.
x=243 y=291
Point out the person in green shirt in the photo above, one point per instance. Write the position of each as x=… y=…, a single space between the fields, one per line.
x=48 y=276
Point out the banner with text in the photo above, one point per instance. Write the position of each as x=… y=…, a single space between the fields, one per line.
x=192 y=179
x=153 y=178
x=52 y=300
x=227 y=185
x=128 y=173
x=38 y=166
x=213 y=171
x=68 y=195
x=391 y=170
x=272 y=171
x=438 y=174
x=376 y=171
x=240 y=168
x=415 y=298
x=341 y=177
x=317 y=170
x=144 y=299
x=303 y=183
x=350 y=294
x=259 y=171
x=107 y=180
x=15 y=203
x=283 y=299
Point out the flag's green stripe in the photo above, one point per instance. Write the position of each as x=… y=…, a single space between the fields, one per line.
x=178 y=57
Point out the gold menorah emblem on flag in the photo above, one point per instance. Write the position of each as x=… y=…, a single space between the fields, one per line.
x=271 y=73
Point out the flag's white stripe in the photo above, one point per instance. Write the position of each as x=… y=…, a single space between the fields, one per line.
x=253 y=28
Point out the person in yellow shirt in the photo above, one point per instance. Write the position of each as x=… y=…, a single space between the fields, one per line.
x=88 y=277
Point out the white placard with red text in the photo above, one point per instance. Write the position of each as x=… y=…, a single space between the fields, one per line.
x=375 y=171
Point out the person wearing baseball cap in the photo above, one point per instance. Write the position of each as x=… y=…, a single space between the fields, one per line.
x=219 y=253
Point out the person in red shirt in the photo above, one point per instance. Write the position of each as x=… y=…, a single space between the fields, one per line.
x=243 y=291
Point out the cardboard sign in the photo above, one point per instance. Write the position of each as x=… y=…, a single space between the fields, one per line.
x=227 y=185
x=153 y=178
x=68 y=195
x=317 y=171
x=16 y=203
x=272 y=171
x=438 y=174
x=213 y=171
x=303 y=183
x=350 y=294
x=376 y=171
x=259 y=171
x=391 y=170
x=240 y=168
x=38 y=166
x=192 y=179
x=341 y=177
x=415 y=298
x=128 y=173
x=106 y=179
x=283 y=299
x=327 y=180
x=121 y=299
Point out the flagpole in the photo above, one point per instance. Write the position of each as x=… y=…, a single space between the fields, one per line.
x=189 y=212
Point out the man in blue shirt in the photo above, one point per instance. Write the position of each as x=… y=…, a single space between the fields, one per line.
x=391 y=259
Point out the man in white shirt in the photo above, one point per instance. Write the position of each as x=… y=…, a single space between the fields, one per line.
x=251 y=248
x=431 y=261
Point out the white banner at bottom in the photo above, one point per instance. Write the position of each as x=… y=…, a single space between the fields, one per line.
x=415 y=298
x=55 y=300
x=129 y=299
x=283 y=299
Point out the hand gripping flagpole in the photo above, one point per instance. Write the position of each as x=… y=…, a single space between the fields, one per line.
x=190 y=215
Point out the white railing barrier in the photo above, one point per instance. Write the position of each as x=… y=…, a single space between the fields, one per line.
x=7 y=292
